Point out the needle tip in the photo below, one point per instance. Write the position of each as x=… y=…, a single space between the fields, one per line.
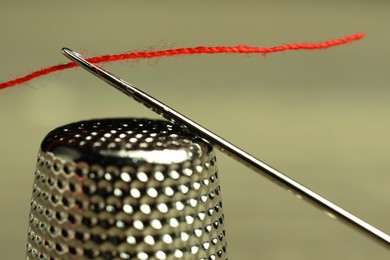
x=70 y=53
x=66 y=50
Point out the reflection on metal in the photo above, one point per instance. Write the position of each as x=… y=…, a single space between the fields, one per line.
x=115 y=207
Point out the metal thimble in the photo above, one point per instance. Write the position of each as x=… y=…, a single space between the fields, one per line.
x=125 y=189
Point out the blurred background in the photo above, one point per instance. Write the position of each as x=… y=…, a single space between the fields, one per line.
x=321 y=117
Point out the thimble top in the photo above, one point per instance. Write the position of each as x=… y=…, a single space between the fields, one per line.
x=124 y=140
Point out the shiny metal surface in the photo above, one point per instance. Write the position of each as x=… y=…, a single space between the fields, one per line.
x=125 y=189
x=233 y=151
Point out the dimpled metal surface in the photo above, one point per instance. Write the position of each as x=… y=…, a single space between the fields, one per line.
x=125 y=189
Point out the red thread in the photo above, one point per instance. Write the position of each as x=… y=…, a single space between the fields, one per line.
x=186 y=51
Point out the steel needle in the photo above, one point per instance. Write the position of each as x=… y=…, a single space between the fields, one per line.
x=230 y=149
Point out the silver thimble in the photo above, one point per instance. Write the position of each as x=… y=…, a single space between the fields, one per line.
x=125 y=189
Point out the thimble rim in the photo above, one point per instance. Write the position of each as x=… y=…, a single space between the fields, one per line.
x=124 y=140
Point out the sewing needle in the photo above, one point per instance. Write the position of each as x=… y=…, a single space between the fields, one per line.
x=230 y=149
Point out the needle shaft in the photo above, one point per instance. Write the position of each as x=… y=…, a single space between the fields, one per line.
x=230 y=149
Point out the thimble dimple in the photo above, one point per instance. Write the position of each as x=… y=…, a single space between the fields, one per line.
x=125 y=189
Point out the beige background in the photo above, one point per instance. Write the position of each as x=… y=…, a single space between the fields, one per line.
x=320 y=117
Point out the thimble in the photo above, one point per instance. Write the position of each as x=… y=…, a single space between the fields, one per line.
x=125 y=188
